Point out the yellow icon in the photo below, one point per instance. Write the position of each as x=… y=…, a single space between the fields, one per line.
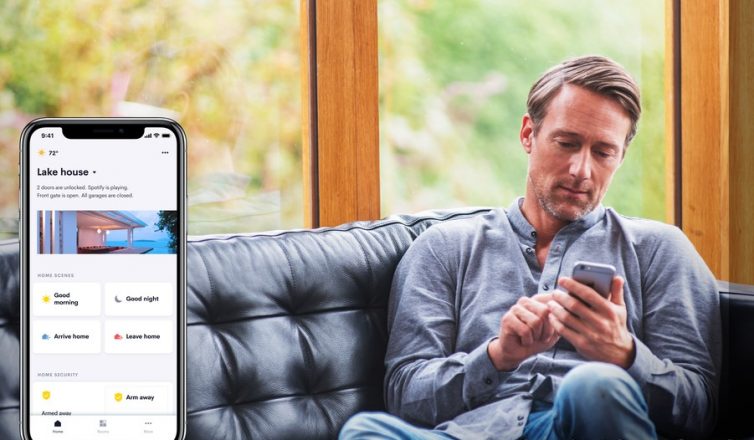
x=118 y=397
x=46 y=298
x=41 y=152
x=46 y=395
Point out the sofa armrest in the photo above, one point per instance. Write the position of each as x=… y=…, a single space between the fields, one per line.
x=737 y=376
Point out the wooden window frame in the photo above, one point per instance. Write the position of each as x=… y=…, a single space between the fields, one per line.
x=709 y=77
x=340 y=113
x=716 y=162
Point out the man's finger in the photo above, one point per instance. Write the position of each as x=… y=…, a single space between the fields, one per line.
x=575 y=306
x=584 y=293
x=549 y=334
x=512 y=324
x=566 y=318
x=570 y=335
x=533 y=321
x=535 y=306
x=616 y=292
x=542 y=297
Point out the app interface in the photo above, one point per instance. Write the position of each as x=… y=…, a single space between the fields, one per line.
x=103 y=279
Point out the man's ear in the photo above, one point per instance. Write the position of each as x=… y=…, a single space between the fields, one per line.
x=526 y=135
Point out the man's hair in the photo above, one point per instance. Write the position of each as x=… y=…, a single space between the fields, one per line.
x=595 y=73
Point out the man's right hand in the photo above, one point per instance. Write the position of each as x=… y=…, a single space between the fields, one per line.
x=524 y=331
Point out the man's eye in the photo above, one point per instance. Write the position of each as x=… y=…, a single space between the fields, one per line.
x=566 y=144
x=604 y=154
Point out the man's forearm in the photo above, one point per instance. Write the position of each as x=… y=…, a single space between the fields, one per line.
x=430 y=391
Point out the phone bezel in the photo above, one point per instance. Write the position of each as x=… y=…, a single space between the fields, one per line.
x=130 y=127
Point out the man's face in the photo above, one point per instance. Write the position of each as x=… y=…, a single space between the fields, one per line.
x=575 y=153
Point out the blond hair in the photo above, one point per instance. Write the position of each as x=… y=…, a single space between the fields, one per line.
x=595 y=73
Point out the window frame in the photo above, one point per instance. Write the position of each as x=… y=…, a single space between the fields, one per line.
x=708 y=107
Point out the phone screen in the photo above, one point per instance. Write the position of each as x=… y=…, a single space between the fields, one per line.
x=103 y=252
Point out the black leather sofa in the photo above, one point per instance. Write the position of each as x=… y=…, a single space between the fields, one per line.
x=286 y=332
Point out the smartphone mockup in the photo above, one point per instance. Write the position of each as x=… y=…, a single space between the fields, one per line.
x=595 y=275
x=103 y=279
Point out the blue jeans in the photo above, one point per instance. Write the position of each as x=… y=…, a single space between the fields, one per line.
x=594 y=401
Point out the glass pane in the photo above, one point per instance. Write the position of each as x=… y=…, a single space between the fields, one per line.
x=454 y=76
x=228 y=71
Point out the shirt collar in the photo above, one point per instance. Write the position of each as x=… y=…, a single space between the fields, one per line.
x=523 y=228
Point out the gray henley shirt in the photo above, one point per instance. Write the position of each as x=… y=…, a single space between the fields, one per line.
x=459 y=277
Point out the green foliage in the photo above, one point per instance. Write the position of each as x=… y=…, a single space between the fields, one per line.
x=454 y=76
x=169 y=223
x=227 y=70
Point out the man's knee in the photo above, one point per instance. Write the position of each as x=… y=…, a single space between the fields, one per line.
x=367 y=425
x=599 y=400
x=596 y=383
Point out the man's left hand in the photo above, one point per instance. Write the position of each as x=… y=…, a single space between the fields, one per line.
x=598 y=330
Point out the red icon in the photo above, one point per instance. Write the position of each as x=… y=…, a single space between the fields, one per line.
x=118 y=337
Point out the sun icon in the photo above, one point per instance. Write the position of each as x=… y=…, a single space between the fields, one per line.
x=46 y=299
x=41 y=152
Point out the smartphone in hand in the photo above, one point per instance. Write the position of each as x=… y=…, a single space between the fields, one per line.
x=595 y=275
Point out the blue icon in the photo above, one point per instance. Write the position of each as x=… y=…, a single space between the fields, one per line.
x=45 y=336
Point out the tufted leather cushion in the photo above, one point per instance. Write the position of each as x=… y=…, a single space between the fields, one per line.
x=286 y=332
x=9 y=335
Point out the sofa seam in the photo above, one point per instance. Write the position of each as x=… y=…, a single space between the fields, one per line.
x=209 y=279
x=223 y=349
x=380 y=225
x=262 y=401
x=290 y=265
x=282 y=315
x=366 y=259
x=325 y=415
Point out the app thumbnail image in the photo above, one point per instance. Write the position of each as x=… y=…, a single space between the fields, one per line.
x=107 y=232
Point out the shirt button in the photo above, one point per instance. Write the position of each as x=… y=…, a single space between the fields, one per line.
x=533 y=234
x=488 y=381
x=520 y=417
x=546 y=287
x=529 y=250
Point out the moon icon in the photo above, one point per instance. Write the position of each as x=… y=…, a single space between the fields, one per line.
x=117 y=300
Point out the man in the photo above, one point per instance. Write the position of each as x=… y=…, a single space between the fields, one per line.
x=490 y=337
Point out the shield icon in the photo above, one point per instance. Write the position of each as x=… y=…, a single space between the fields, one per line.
x=118 y=397
x=46 y=395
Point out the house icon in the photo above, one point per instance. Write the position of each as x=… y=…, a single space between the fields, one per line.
x=58 y=424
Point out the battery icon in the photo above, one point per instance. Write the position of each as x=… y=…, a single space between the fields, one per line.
x=166 y=135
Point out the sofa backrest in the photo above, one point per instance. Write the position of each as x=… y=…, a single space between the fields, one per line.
x=10 y=310
x=287 y=331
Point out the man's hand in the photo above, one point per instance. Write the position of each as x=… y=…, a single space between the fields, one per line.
x=524 y=332
x=598 y=330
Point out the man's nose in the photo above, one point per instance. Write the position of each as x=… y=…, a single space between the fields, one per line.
x=581 y=164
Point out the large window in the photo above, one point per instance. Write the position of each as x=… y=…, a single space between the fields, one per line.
x=454 y=76
x=228 y=71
